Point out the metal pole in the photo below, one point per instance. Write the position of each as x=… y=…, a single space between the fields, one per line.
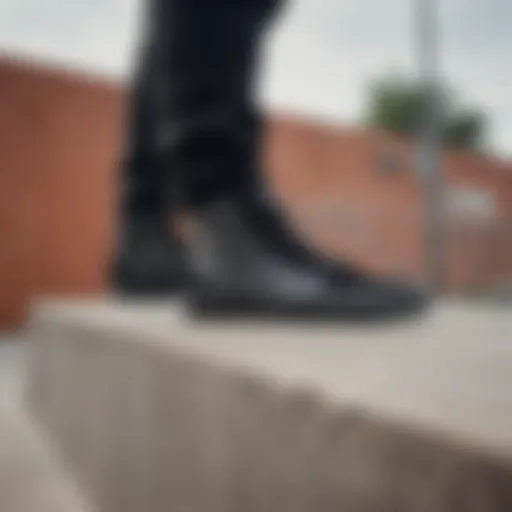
x=430 y=142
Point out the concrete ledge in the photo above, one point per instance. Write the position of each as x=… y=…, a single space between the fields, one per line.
x=155 y=413
x=31 y=477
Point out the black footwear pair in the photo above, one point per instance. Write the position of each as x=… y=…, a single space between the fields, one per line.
x=240 y=259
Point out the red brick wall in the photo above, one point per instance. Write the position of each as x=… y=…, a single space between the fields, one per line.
x=386 y=233
x=315 y=164
x=59 y=145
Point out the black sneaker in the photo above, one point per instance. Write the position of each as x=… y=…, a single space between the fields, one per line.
x=246 y=262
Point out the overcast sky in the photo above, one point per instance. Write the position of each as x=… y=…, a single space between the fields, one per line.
x=321 y=56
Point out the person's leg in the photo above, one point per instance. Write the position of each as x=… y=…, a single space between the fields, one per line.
x=208 y=52
x=142 y=167
x=244 y=258
x=148 y=257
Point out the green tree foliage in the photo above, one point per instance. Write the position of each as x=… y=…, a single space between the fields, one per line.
x=398 y=105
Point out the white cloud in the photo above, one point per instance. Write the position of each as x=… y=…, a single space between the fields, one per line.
x=95 y=35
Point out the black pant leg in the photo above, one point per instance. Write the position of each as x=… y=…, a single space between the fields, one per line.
x=207 y=53
x=142 y=166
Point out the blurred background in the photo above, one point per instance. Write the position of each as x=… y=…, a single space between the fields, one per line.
x=390 y=138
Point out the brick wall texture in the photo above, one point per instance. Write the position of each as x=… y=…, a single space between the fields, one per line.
x=351 y=192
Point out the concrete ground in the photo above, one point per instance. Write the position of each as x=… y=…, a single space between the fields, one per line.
x=176 y=414
x=31 y=479
x=12 y=368
x=448 y=373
